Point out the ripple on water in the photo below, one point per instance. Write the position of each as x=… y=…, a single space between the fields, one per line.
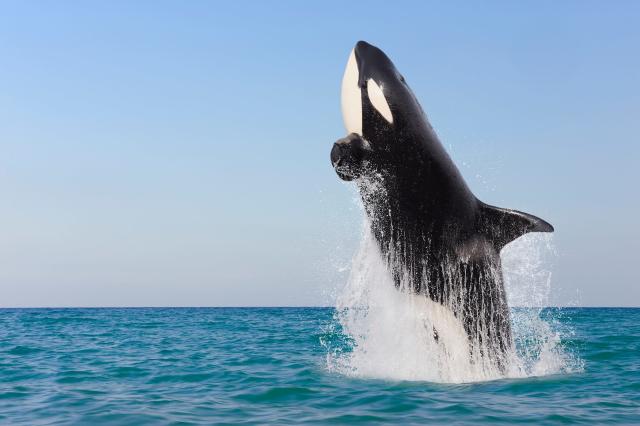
x=279 y=394
x=23 y=350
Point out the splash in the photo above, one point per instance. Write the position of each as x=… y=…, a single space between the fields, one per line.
x=538 y=333
x=390 y=333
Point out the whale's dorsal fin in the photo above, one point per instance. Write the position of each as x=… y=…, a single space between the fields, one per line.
x=505 y=225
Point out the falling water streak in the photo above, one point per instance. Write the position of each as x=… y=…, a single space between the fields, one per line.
x=528 y=283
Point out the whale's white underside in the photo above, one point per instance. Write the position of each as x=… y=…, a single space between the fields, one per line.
x=351 y=98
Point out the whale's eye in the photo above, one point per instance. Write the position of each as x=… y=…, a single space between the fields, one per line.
x=379 y=102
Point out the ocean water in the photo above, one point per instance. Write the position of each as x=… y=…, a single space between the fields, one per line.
x=277 y=366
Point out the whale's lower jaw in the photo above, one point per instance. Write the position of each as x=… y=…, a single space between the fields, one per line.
x=351 y=97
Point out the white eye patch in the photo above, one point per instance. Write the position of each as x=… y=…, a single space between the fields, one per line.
x=378 y=100
x=351 y=98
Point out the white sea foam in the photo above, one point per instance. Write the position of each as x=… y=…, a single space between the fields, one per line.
x=391 y=333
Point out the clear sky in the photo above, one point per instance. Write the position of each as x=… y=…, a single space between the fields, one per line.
x=177 y=153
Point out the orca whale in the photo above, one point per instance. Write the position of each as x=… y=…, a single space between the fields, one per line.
x=437 y=239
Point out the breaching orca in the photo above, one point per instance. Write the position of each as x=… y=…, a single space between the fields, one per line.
x=436 y=237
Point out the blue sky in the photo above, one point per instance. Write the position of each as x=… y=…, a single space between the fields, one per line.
x=176 y=153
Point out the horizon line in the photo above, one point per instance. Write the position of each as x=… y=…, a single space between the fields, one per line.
x=279 y=307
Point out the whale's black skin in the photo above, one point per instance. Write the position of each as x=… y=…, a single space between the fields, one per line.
x=438 y=239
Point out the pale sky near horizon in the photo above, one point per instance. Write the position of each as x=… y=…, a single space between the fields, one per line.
x=177 y=153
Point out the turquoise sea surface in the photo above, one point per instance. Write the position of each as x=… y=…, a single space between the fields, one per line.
x=269 y=366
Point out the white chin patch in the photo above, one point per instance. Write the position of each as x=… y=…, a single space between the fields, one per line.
x=351 y=98
x=379 y=102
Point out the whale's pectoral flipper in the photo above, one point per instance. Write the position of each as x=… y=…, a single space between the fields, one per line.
x=505 y=225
